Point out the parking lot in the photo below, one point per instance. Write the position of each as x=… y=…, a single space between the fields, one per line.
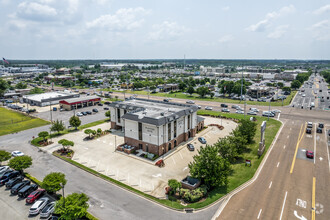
x=99 y=154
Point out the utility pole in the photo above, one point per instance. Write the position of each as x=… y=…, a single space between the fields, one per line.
x=269 y=110
x=242 y=85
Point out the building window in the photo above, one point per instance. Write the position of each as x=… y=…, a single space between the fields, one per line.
x=174 y=129
x=188 y=121
x=140 y=131
x=169 y=131
x=118 y=115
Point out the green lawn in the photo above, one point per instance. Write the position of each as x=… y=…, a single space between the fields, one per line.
x=240 y=174
x=225 y=100
x=12 y=121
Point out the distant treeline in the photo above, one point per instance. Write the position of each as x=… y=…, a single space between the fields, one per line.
x=197 y=62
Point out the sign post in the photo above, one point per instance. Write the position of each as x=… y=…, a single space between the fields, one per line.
x=262 y=139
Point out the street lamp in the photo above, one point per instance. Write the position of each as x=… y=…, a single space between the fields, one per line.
x=62 y=185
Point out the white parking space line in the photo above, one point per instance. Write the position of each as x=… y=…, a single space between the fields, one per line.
x=284 y=147
x=278 y=117
x=325 y=134
x=288 y=136
x=259 y=213
x=314 y=144
x=270 y=185
x=173 y=160
x=278 y=164
x=181 y=155
x=286 y=193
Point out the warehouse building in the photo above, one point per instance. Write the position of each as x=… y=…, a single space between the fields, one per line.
x=48 y=98
x=81 y=102
x=155 y=126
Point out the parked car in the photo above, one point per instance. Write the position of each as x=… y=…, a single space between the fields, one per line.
x=254 y=109
x=321 y=125
x=47 y=210
x=202 y=140
x=106 y=108
x=5 y=178
x=106 y=103
x=89 y=112
x=84 y=113
x=79 y=114
x=12 y=182
x=309 y=124
x=190 y=147
x=190 y=102
x=252 y=113
x=17 y=153
x=234 y=106
x=239 y=112
x=223 y=105
x=308 y=130
x=199 y=107
x=38 y=206
x=14 y=190
x=54 y=109
x=319 y=130
x=166 y=100
x=208 y=108
x=26 y=190
x=309 y=154
x=4 y=169
x=35 y=195
x=6 y=172
x=95 y=110
x=225 y=110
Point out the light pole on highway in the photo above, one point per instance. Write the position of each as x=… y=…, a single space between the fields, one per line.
x=269 y=110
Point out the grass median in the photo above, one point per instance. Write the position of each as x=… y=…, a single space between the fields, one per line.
x=195 y=96
x=12 y=121
x=240 y=174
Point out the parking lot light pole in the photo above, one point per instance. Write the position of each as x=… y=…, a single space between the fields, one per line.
x=269 y=110
x=63 y=194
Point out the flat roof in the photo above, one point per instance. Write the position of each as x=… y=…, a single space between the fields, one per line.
x=48 y=95
x=153 y=111
x=80 y=99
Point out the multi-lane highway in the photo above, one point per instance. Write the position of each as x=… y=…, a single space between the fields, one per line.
x=314 y=91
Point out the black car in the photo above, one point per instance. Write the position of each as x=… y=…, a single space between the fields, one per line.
x=224 y=106
x=106 y=103
x=8 y=171
x=166 y=100
x=5 y=178
x=319 y=130
x=89 y=112
x=106 y=108
x=321 y=125
x=26 y=190
x=13 y=182
x=190 y=147
x=100 y=104
x=308 y=130
x=14 y=190
x=95 y=110
x=84 y=113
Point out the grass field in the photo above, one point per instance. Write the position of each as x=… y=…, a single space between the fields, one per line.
x=11 y=121
x=240 y=174
x=195 y=96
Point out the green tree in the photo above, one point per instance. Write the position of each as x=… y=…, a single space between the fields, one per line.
x=4 y=156
x=202 y=91
x=210 y=167
x=3 y=86
x=248 y=129
x=182 y=86
x=43 y=135
x=20 y=163
x=174 y=184
x=280 y=84
x=57 y=126
x=89 y=132
x=295 y=84
x=21 y=85
x=227 y=149
x=190 y=90
x=99 y=131
x=66 y=143
x=75 y=122
x=53 y=181
x=213 y=81
x=107 y=114
x=286 y=89
x=240 y=143
x=74 y=206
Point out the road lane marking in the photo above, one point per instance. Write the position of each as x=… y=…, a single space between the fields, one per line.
x=286 y=193
x=327 y=150
x=284 y=147
x=181 y=155
x=299 y=217
x=278 y=117
x=313 y=200
x=173 y=160
x=288 y=136
x=301 y=134
x=278 y=163
x=314 y=144
x=259 y=213
x=270 y=185
x=301 y=203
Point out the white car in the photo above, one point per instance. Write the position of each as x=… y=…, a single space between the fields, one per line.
x=252 y=113
x=47 y=210
x=4 y=169
x=190 y=102
x=17 y=153
x=277 y=111
x=303 y=95
x=38 y=206
x=208 y=108
x=79 y=114
x=254 y=109
x=239 y=112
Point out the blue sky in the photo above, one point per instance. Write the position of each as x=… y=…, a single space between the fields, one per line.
x=141 y=29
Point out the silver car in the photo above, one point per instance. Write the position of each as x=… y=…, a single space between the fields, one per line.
x=47 y=210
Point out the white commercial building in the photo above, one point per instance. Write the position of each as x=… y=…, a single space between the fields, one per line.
x=48 y=98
